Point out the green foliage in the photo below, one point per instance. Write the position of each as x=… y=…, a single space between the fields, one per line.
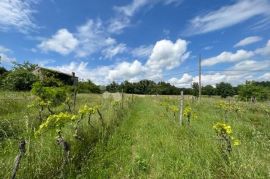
x=50 y=80
x=52 y=95
x=20 y=78
x=224 y=134
x=251 y=90
x=224 y=89
x=209 y=90
x=56 y=121
x=143 y=145
x=195 y=89
x=144 y=87
x=2 y=71
x=88 y=87
x=24 y=66
x=3 y=74
x=113 y=87
x=141 y=165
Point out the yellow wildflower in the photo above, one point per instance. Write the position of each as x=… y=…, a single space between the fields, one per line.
x=236 y=142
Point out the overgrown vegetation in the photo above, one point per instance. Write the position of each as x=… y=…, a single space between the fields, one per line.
x=62 y=135
x=151 y=144
x=77 y=131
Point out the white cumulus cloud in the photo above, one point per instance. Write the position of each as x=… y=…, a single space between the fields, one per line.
x=105 y=74
x=239 y=55
x=228 y=57
x=184 y=81
x=126 y=70
x=168 y=55
x=62 y=42
x=251 y=65
x=89 y=38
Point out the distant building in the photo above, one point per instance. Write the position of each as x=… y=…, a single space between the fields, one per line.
x=67 y=79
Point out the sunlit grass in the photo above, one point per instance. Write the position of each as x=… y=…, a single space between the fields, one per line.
x=142 y=141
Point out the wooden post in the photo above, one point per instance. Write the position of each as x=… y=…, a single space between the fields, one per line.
x=200 y=78
x=75 y=82
x=181 y=108
x=18 y=159
x=122 y=98
x=66 y=148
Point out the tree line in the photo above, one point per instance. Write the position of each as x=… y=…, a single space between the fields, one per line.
x=250 y=90
x=21 y=78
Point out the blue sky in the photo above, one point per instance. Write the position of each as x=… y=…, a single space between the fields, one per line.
x=116 y=40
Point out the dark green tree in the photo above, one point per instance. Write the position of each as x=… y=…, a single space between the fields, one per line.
x=2 y=71
x=195 y=89
x=88 y=87
x=20 y=78
x=224 y=89
x=252 y=90
x=208 y=90
x=113 y=87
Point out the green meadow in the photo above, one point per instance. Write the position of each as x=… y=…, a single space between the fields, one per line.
x=141 y=139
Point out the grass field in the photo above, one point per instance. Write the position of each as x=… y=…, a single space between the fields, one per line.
x=144 y=140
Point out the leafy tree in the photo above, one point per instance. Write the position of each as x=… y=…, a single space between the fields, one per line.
x=127 y=87
x=49 y=79
x=20 y=77
x=167 y=89
x=24 y=66
x=113 y=87
x=224 y=89
x=88 y=87
x=51 y=95
x=252 y=90
x=3 y=71
x=195 y=89
x=209 y=90
x=144 y=87
x=3 y=74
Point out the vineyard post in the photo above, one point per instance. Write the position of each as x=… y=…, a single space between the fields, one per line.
x=18 y=159
x=75 y=83
x=181 y=108
x=122 y=98
x=200 y=78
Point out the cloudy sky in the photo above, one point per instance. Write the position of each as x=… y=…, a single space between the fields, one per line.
x=116 y=40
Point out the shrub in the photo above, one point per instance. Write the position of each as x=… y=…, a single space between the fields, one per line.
x=20 y=78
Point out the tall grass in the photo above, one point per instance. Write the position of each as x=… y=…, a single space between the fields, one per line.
x=43 y=157
x=151 y=144
x=141 y=141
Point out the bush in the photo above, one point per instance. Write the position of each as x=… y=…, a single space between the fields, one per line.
x=88 y=87
x=251 y=90
x=225 y=89
x=54 y=95
x=20 y=78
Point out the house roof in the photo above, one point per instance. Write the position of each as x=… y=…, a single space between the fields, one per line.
x=55 y=71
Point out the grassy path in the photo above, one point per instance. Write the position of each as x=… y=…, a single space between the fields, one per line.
x=150 y=144
x=146 y=145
